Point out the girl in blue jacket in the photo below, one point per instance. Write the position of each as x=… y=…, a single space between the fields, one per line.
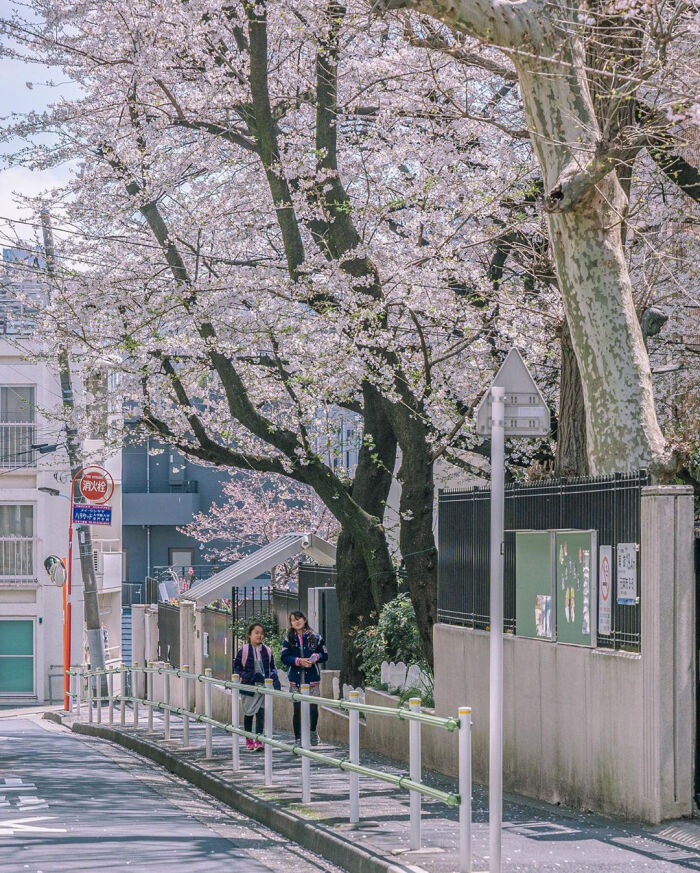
x=254 y=663
x=302 y=652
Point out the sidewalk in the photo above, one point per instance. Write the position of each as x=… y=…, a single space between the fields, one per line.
x=536 y=836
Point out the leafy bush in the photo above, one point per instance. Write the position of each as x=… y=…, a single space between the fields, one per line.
x=395 y=638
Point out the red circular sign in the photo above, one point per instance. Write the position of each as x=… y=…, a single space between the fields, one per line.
x=605 y=578
x=96 y=485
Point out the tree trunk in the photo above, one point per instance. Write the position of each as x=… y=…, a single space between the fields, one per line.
x=356 y=605
x=570 y=458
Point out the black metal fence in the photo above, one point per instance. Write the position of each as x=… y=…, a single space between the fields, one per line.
x=169 y=633
x=610 y=505
x=139 y=592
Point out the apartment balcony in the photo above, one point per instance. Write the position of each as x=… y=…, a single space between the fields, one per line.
x=16 y=442
x=161 y=508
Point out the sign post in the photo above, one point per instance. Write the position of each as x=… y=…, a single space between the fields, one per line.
x=512 y=406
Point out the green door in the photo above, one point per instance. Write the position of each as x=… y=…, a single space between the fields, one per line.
x=16 y=656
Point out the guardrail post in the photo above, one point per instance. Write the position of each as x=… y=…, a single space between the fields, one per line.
x=267 y=731
x=79 y=690
x=305 y=744
x=185 y=705
x=122 y=695
x=354 y=743
x=465 y=789
x=98 y=694
x=149 y=694
x=166 y=701
x=415 y=773
x=134 y=698
x=90 y=701
x=207 y=712
x=235 y=723
x=110 y=697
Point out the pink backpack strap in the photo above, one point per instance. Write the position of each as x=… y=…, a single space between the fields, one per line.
x=246 y=652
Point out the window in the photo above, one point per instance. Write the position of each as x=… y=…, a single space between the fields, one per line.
x=16 y=541
x=17 y=429
x=182 y=559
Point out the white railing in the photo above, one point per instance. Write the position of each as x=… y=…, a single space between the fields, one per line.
x=85 y=694
x=15 y=445
x=17 y=558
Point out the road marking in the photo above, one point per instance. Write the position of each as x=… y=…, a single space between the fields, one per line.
x=9 y=827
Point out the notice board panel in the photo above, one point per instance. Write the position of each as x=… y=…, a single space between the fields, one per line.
x=576 y=565
x=534 y=594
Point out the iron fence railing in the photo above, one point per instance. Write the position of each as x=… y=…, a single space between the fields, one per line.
x=16 y=442
x=610 y=505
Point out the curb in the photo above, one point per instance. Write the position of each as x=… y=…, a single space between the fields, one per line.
x=319 y=839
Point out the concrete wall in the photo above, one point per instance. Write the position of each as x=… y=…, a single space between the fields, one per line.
x=595 y=729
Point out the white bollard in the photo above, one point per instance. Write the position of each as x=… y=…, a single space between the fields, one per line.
x=207 y=713
x=89 y=697
x=79 y=695
x=134 y=698
x=354 y=742
x=267 y=751
x=185 y=706
x=166 y=701
x=122 y=695
x=415 y=773
x=465 y=789
x=235 y=723
x=305 y=744
x=110 y=697
x=149 y=695
x=98 y=694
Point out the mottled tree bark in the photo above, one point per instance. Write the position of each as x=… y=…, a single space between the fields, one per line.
x=570 y=458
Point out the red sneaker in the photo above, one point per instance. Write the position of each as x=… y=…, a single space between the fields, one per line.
x=259 y=746
x=251 y=745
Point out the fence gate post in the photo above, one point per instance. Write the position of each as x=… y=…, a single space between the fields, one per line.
x=134 y=698
x=98 y=694
x=122 y=695
x=185 y=705
x=110 y=697
x=90 y=701
x=305 y=744
x=149 y=694
x=79 y=690
x=354 y=742
x=166 y=701
x=465 y=790
x=235 y=723
x=268 y=733
x=207 y=713
x=415 y=773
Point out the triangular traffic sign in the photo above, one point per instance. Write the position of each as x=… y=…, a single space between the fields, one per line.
x=526 y=412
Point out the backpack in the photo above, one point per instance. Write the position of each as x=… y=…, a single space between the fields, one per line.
x=246 y=652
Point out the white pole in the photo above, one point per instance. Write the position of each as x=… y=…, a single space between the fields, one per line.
x=496 y=636
x=354 y=742
x=134 y=698
x=166 y=701
x=122 y=693
x=110 y=697
x=149 y=694
x=98 y=694
x=268 y=733
x=207 y=712
x=89 y=697
x=236 y=723
x=414 y=758
x=185 y=706
x=465 y=790
x=305 y=744
x=79 y=692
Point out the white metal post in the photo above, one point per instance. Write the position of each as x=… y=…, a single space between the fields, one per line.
x=89 y=697
x=268 y=733
x=134 y=698
x=71 y=689
x=166 y=701
x=185 y=706
x=235 y=723
x=110 y=697
x=79 y=692
x=207 y=713
x=122 y=695
x=354 y=742
x=465 y=790
x=149 y=694
x=305 y=744
x=496 y=636
x=98 y=694
x=415 y=773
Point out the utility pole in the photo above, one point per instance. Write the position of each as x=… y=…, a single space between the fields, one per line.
x=96 y=645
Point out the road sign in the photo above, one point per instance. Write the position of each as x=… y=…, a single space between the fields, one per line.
x=605 y=591
x=96 y=485
x=526 y=413
x=90 y=514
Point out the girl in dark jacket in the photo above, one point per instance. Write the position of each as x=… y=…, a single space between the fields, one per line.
x=302 y=652
x=254 y=663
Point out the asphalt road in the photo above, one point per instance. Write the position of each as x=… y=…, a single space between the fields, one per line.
x=73 y=804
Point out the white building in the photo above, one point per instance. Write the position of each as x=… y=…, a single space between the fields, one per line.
x=34 y=523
